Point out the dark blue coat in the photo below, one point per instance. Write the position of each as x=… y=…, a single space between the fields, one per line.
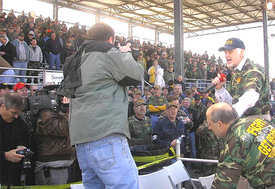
x=165 y=132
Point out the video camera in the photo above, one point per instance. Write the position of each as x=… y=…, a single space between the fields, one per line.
x=27 y=159
x=45 y=100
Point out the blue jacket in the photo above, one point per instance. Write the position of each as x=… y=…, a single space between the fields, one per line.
x=165 y=132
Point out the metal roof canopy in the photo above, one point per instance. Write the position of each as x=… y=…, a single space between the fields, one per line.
x=158 y=15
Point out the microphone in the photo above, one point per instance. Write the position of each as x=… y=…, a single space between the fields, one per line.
x=221 y=77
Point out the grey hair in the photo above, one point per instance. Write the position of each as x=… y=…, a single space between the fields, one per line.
x=12 y=100
x=225 y=115
x=188 y=99
x=179 y=85
x=3 y=36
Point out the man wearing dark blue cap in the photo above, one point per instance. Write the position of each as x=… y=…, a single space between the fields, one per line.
x=248 y=88
x=247 y=91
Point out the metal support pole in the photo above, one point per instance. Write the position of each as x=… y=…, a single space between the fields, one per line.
x=178 y=157
x=178 y=37
x=97 y=18
x=55 y=10
x=157 y=37
x=266 y=56
x=130 y=31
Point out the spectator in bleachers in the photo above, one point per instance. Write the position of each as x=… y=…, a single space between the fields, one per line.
x=211 y=146
x=177 y=90
x=18 y=30
x=152 y=72
x=159 y=76
x=211 y=74
x=3 y=30
x=22 y=57
x=179 y=80
x=33 y=90
x=2 y=21
x=136 y=93
x=206 y=98
x=7 y=50
x=169 y=129
x=140 y=125
x=156 y=105
x=22 y=89
x=192 y=114
x=11 y=33
x=68 y=50
x=141 y=60
x=4 y=89
x=35 y=62
x=164 y=91
x=169 y=74
x=200 y=117
x=164 y=63
x=150 y=61
x=202 y=74
x=29 y=37
x=10 y=71
x=30 y=26
x=52 y=47
x=219 y=60
x=192 y=73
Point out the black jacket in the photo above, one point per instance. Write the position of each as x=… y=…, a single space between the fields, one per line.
x=52 y=47
x=10 y=52
x=11 y=136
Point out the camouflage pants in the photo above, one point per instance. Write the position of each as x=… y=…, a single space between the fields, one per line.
x=209 y=168
x=33 y=65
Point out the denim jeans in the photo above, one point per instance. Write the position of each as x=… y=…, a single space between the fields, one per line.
x=107 y=163
x=54 y=59
x=18 y=64
x=192 y=145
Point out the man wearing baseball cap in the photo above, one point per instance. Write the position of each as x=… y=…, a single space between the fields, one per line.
x=22 y=89
x=156 y=105
x=4 y=89
x=248 y=88
x=247 y=91
x=168 y=129
x=140 y=125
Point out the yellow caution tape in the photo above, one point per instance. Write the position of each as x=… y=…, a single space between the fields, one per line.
x=63 y=186
x=157 y=161
x=150 y=158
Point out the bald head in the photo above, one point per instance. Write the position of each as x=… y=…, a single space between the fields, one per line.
x=222 y=112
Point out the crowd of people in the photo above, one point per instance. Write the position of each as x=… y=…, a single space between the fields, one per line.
x=51 y=42
x=165 y=111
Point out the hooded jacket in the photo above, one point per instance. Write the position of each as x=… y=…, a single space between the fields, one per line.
x=99 y=107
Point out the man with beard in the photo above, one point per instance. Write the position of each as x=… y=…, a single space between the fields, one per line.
x=140 y=125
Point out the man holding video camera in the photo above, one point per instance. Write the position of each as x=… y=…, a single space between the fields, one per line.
x=98 y=112
x=14 y=137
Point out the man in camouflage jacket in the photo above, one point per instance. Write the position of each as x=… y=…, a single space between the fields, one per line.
x=249 y=148
x=140 y=125
x=248 y=88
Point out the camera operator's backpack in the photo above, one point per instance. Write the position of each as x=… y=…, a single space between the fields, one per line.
x=71 y=73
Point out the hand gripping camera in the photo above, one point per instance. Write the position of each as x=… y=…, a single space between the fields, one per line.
x=27 y=159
